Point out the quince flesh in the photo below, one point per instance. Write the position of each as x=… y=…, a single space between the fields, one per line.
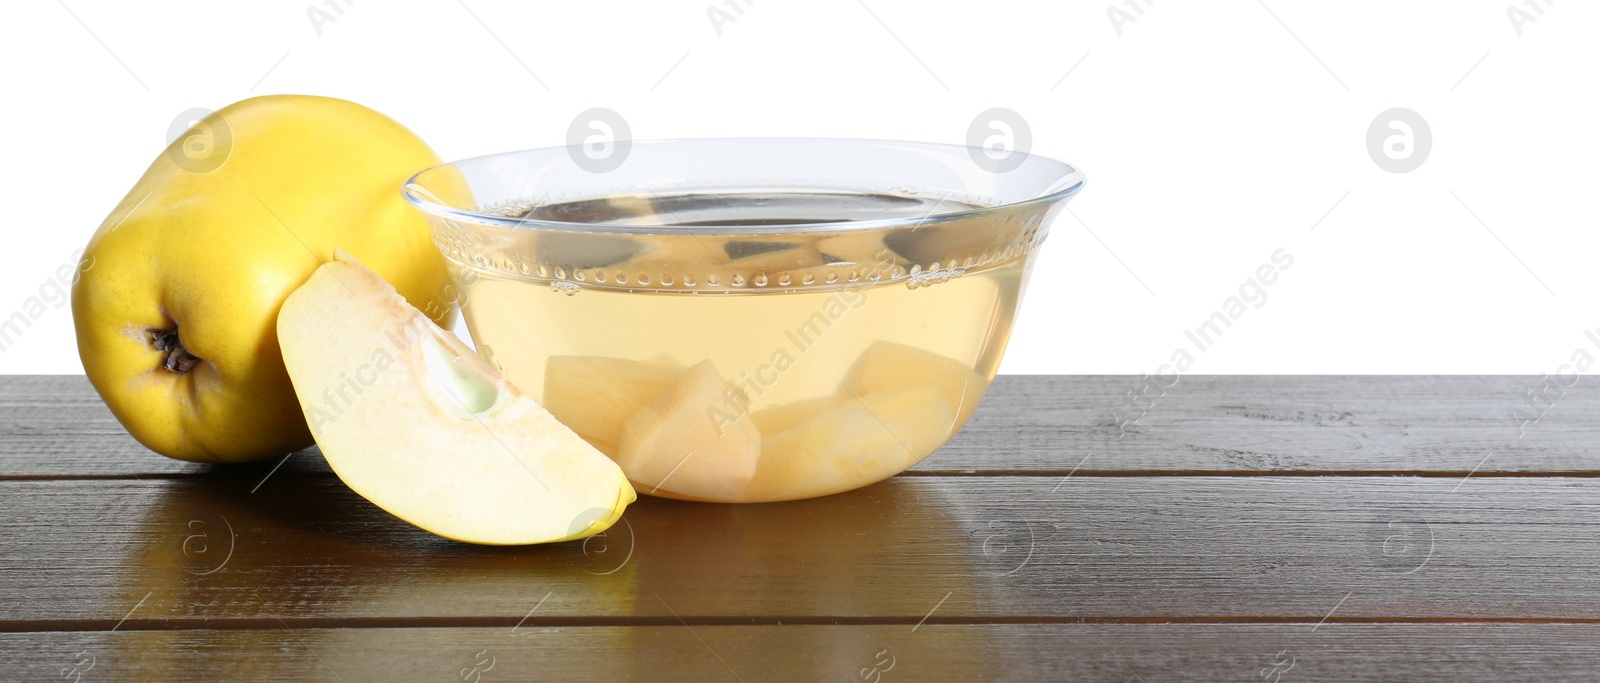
x=861 y=440
x=414 y=421
x=887 y=365
x=687 y=442
x=595 y=396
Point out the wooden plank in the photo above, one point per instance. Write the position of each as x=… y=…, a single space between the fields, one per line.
x=57 y=426
x=1036 y=652
x=1315 y=424
x=87 y=553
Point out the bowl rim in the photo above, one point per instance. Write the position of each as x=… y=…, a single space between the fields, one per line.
x=1070 y=182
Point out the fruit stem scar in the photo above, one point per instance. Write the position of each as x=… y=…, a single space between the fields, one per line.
x=174 y=358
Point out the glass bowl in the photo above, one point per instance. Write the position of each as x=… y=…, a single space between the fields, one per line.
x=747 y=320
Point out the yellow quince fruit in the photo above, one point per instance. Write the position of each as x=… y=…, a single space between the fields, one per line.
x=181 y=286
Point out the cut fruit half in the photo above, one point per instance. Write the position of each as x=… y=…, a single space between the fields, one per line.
x=692 y=440
x=414 y=421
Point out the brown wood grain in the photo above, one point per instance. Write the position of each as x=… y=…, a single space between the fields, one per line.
x=53 y=426
x=1274 y=653
x=82 y=554
x=1209 y=540
x=1309 y=424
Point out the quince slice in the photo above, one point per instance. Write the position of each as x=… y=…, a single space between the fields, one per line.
x=861 y=441
x=783 y=417
x=414 y=421
x=595 y=396
x=887 y=365
x=692 y=440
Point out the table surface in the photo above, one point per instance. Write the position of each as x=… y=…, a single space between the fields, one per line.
x=1244 y=528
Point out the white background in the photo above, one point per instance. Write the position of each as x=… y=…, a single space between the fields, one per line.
x=1213 y=133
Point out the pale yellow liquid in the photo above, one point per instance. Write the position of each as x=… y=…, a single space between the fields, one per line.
x=808 y=351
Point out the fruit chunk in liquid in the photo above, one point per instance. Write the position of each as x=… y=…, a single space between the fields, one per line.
x=673 y=442
x=860 y=439
x=797 y=323
x=677 y=437
x=594 y=396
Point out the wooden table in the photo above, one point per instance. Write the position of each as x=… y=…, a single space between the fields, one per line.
x=1245 y=528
